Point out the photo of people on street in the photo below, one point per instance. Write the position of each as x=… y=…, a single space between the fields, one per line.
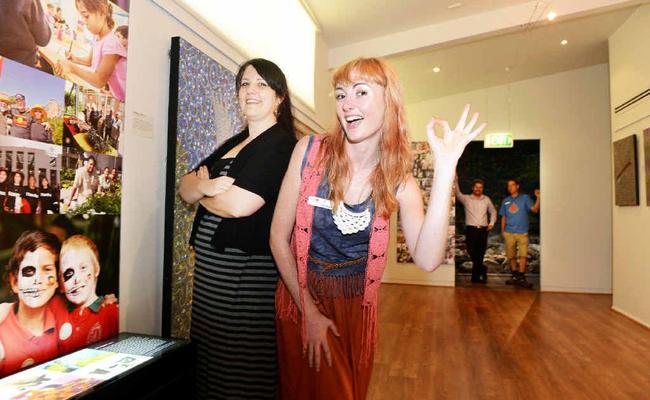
x=31 y=103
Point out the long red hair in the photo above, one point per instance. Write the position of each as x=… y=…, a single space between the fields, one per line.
x=395 y=162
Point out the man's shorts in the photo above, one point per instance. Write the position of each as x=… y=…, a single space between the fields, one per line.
x=516 y=244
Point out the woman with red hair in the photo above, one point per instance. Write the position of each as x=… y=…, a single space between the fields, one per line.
x=330 y=230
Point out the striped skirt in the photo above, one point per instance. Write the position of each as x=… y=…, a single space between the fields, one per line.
x=233 y=323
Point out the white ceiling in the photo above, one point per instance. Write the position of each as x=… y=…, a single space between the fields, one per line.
x=529 y=53
x=347 y=21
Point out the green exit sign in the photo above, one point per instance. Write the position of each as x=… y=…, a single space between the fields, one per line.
x=498 y=141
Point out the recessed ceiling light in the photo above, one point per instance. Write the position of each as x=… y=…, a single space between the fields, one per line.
x=436 y=69
x=551 y=15
x=564 y=42
x=454 y=5
x=507 y=69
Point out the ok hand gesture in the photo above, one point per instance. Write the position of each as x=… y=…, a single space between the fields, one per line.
x=448 y=148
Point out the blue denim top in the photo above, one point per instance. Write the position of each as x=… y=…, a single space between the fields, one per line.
x=329 y=244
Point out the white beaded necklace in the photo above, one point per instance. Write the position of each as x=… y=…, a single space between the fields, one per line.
x=349 y=222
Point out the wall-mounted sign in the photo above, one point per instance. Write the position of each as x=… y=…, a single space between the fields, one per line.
x=498 y=141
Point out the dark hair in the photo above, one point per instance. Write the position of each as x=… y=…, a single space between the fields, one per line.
x=99 y=7
x=30 y=241
x=475 y=181
x=22 y=177
x=274 y=76
x=41 y=178
x=516 y=181
x=3 y=185
x=123 y=30
x=92 y=158
x=30 y=176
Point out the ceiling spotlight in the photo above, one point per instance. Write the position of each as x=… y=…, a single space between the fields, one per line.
x=454 y=5
x=551 y=15
x=507 y=69
x=436 y=69
x=564 y=42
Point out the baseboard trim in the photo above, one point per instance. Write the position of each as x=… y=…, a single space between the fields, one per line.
x=562 y=289
x=630 y=317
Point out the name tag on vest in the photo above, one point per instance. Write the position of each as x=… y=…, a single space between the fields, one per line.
x=319 y=202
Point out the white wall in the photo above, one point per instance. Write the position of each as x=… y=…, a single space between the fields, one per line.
x=629 y=54
x=569 y=113
x=151 y=25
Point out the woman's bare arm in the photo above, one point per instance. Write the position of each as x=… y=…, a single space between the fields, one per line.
x=426 y=235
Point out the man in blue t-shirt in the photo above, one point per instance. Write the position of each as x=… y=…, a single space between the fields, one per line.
x=514 y=227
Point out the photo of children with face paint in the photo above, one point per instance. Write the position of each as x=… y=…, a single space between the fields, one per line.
x=89 y=319
x=59 y=294
x=28 y=333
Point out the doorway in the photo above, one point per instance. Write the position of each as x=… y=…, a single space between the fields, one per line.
x=495 y=167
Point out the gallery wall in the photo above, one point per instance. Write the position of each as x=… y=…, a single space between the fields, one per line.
x=569 y=113
x=630 y=74
x=153 y=23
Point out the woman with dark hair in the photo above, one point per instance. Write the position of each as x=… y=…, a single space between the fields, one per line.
x=31 y=194
x=4 y=177
x=233 y=313
x=15 y=202
x=47 y=196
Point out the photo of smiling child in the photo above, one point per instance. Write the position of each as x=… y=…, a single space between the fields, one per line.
x=89 y=319
x=28 y=333
x=55 y=266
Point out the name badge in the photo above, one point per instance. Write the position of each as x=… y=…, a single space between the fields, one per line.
x=319 y=202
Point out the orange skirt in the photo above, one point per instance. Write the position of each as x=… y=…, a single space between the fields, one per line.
x=347 y=378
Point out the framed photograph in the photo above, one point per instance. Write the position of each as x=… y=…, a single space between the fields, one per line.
x=626 y=184
x=646 y=151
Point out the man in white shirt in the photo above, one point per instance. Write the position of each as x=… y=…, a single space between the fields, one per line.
x=477 y=225
x=82 y=182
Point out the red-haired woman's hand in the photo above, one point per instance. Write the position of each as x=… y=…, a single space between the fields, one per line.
x=448 y=148
x=318 y=326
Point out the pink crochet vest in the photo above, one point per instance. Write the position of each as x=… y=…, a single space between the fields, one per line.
x=312 y=176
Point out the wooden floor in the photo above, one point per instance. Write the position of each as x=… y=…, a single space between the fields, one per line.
x=461 y=343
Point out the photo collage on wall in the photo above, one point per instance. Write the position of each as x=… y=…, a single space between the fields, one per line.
x=62 y=94
x=423 y=173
